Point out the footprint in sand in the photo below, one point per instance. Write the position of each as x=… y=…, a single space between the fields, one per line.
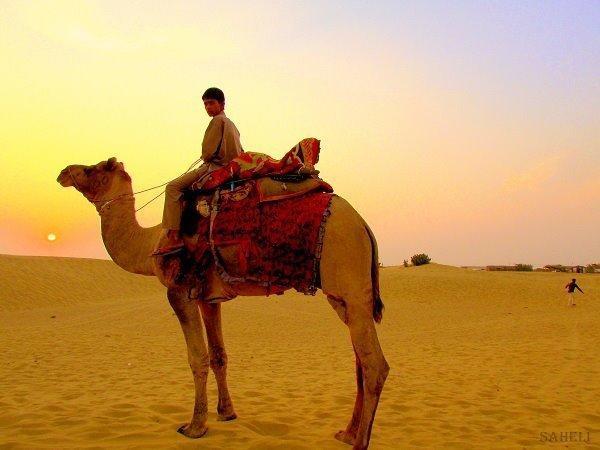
x=542 y=410
x=592 y=417
x=401 y=408
x=267 y=428
x=123 y=406
x=96 y=435
x=253 y=394
x=68 y=422
x=73 y=396
x=53 y=408
x=343 y=400
x=121 y=414
x=167 y=409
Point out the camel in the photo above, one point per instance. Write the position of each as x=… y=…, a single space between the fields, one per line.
x=349 y=278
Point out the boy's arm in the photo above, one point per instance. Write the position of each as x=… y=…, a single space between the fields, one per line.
x=579 y=289
x=212 y=139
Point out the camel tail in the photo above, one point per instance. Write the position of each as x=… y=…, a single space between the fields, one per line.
x=377 y=302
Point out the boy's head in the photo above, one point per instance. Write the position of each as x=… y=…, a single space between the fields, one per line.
x=574 y=280
x=214 y=101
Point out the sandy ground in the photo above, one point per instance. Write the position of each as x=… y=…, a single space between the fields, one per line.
x=93 y=357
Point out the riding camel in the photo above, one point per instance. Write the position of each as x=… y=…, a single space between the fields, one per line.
x=348 y=273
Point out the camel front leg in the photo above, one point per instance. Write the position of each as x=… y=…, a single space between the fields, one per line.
x=211 y=314
x=189 y=317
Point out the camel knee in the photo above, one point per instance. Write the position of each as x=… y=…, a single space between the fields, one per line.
x=181 y=307
x=383 y=374
x=375 y=376
x=384 y=368
x=199 y=365
x=218 y=358
x=377 y=385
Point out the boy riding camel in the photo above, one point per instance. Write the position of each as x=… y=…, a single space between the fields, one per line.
x=220 y=145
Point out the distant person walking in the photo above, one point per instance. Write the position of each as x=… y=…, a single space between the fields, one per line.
x=571 y=291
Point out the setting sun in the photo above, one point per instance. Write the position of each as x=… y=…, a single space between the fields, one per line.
x=51 y=237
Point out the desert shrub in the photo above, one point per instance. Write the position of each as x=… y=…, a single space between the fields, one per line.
x=590 y=268
x=523 y=267
x=405 y=263
x=420 y=259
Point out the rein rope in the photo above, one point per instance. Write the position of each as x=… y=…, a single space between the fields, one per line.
x=105 y=203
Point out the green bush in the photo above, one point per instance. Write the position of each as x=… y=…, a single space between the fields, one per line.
x=420 y=259
x=523 y=267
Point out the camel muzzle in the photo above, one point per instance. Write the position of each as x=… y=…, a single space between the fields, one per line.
x=64 y=179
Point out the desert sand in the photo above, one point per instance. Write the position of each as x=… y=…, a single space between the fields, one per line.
x=93 y=357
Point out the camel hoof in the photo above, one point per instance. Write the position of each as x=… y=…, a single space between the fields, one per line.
x=192 y=432
x=345 y=437
x=226 y=417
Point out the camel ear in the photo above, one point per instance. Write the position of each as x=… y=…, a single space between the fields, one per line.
x=111 y=164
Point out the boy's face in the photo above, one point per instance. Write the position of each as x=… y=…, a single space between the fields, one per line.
x=213 y=107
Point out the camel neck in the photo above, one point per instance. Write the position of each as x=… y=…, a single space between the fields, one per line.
x=128 y=244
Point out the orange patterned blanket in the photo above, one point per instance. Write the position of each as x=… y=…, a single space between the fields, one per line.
x=275 y=244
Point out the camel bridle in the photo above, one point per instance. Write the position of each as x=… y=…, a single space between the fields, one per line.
x=104 y=203
x=100 y=204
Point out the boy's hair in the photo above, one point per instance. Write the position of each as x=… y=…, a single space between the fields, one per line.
x=214 y=93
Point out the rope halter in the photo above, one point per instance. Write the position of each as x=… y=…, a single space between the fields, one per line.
x=105 y=203
x=100 y=204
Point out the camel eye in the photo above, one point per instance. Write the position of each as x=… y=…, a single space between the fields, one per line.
x=87 y=171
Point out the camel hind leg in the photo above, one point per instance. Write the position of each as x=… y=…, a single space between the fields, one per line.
x=349 y=277
x=349 y=434
x=371 y=372
x=374 y=370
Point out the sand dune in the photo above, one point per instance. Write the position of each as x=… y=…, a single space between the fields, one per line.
x=40 y=282
x=93 y=357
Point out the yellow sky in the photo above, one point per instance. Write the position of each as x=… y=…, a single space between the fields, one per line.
x=441 y=147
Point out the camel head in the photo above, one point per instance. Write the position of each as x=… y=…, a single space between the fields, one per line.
x=97 y=181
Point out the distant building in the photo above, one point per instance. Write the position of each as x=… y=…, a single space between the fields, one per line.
x=473 y=267
x=561 y=268
x=555 y=268
x=500 y=268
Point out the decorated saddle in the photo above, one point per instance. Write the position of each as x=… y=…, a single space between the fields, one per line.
x=260 y=221
x=301 y=159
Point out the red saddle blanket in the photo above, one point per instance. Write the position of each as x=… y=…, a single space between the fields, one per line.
x=276 y=244
x=248 y=165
